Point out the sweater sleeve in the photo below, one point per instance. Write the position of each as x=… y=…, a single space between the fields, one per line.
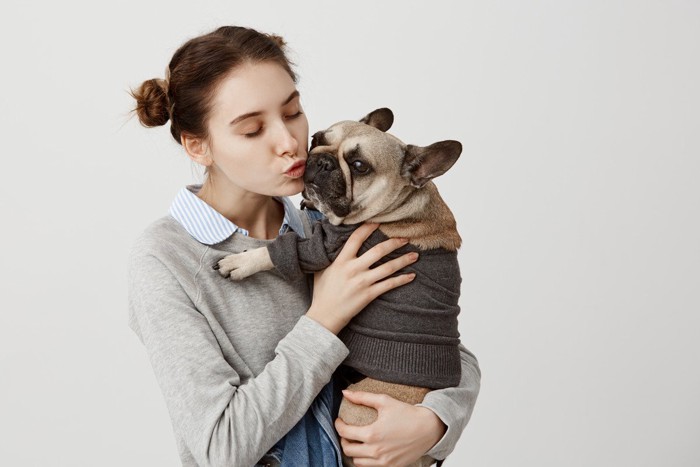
x=293 y=255
x=219 y=420
x=454 y=406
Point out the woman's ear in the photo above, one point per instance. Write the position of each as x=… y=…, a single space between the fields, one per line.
x=197 y=149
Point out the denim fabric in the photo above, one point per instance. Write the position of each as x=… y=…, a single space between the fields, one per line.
x=312 y=441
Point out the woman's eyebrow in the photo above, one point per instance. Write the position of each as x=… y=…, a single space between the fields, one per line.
x=240 y=118
x=291 y=96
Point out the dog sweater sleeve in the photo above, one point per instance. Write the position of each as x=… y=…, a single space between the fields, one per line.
x=294 y=256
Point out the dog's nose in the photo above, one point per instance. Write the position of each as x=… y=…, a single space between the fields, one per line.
x=319 y=165
x=324 y=163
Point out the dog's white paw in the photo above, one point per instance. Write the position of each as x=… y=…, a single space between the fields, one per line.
x=241 y=265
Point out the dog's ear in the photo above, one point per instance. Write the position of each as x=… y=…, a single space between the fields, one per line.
x=381 y=119
x=422 y=164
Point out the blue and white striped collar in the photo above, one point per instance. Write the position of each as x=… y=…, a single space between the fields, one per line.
x=208 y=226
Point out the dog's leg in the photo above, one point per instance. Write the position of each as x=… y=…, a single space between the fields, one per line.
x=360 y=415
x=241 y=265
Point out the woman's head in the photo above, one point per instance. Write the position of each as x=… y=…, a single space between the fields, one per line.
x=197 y=67
x=231 y=98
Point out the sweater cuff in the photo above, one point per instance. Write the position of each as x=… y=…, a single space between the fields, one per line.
x=443 y=447
x=321 y=345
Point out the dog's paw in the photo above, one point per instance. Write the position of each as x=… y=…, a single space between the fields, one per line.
x=241 y=265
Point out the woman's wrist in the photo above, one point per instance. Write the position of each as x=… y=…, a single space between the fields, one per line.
x=436 y=426
x=325 y=319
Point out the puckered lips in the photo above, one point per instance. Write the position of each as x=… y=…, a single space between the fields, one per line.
x=296 y=170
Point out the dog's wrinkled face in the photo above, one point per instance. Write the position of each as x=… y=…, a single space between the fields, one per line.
x=357 y=172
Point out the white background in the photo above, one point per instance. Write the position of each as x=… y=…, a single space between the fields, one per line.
x=576 y=195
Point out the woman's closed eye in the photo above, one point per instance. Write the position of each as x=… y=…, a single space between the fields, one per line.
x=293 y=116
x=253 y=134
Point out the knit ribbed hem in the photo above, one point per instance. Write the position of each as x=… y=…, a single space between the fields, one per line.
x=433 y=366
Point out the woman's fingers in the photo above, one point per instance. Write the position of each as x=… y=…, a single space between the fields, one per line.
x=386 y=285
x=355 y=241
x=352 y=433
x=353 y=449
x=390 y=267
x=377 y=252
x=368 y=399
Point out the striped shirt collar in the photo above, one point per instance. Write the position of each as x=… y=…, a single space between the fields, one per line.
x=209 y=227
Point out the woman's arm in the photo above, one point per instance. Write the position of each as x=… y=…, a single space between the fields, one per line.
x=218 y=419
x=402 y=432
x=454 y=406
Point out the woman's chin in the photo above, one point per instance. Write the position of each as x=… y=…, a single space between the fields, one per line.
x=292 y=187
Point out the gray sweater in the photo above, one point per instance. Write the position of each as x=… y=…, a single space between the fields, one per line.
x=408 y=335
x=238 y=363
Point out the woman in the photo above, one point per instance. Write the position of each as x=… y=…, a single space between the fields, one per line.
x=241 y=363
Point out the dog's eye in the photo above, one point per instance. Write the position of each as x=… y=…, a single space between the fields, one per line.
x=359 y=166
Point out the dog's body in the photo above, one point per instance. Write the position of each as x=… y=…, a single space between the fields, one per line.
x=406 y=341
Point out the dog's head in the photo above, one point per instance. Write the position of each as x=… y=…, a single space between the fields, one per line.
x=356 y=171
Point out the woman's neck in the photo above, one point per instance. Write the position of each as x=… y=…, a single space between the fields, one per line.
x=260 y=215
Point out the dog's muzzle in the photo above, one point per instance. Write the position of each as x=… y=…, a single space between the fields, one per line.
x=319 y=167
x=325 y=184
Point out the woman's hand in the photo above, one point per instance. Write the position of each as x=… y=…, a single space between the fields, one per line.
x=402 y=433
x=348 y=284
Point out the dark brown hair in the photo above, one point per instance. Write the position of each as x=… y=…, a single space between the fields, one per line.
x=184 y=96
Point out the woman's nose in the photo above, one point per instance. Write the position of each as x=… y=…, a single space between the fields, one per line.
x=286 y=143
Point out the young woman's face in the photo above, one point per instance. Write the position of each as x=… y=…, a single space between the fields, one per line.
x=258 y=132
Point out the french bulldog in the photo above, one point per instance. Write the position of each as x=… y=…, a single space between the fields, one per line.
x=405 y=342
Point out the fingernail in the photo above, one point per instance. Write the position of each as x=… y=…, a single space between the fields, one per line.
x=404 y=241
x=412 y=276
x=414 y=256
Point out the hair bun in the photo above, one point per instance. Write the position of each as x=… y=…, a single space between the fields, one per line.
x=277 y=40
x=152 y=102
